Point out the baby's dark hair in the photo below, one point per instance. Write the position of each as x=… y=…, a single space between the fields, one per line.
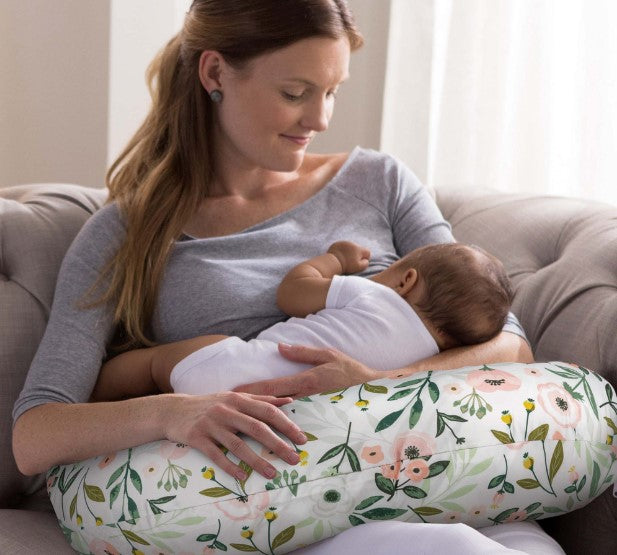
x=467 y=293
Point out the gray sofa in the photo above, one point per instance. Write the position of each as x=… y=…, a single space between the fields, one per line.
x=560 y=253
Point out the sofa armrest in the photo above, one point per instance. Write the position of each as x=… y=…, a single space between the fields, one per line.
x=37 y=225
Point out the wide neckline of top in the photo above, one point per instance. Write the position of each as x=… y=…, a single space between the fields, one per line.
x=287 y=213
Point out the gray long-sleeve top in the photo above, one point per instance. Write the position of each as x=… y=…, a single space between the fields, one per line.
x=227 y=285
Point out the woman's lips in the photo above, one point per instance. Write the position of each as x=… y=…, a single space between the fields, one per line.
x=299 y=140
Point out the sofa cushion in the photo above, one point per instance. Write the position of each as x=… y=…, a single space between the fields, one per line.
x=37 y=224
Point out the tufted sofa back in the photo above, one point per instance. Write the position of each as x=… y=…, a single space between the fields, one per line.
x=561 y=255
x=37 y=225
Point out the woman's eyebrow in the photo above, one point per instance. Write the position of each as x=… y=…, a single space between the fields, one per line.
x=310 y=83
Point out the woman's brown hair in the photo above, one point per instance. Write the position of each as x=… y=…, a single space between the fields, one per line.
x=165 y=170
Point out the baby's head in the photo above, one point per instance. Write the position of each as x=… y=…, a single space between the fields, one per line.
x=462 y=292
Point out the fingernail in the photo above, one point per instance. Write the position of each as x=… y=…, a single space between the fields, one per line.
x=270 y=472
x=293 y=458
x=285 y=345
x=301 y=438
x=240 y=475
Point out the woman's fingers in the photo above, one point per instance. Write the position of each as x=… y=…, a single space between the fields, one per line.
x=229 y=414
x=307 y=355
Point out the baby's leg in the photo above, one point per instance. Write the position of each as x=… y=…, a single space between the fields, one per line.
x=167 y=356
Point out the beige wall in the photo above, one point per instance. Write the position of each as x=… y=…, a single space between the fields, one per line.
x=53 y=91
x=358 y=112
x=72 y=88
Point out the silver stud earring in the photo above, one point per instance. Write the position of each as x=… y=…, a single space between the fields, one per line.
x=216 y=96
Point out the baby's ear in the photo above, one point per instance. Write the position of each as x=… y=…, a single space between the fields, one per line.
x=408 y=280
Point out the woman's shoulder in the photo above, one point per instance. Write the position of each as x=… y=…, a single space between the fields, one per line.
x=371 y=172
x=103 y=231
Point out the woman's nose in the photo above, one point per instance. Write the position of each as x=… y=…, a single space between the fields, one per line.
x=317 y=115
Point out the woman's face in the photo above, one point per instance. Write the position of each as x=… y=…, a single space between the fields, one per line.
x=272 y=108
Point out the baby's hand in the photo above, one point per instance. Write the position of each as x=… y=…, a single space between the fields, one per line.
x=353 y=257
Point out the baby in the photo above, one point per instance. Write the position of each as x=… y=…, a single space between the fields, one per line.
x=435 y=298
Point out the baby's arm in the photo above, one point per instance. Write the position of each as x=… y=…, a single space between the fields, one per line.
x=305 y=287
x=145 y=371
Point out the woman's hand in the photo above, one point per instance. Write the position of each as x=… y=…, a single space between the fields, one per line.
x=332 y=370
x=210 y=422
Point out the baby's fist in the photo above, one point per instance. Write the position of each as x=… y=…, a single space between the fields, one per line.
x=353 y=257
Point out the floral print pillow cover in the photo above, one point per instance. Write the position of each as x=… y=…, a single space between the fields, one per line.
x=483 y=445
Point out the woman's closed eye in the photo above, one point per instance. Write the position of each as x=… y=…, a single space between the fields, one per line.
x=295 y=97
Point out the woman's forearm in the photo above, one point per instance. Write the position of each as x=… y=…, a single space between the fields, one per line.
x=57 y=433
x=506 y=347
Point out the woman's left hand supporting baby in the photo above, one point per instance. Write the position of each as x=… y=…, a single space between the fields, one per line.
x=331 y=370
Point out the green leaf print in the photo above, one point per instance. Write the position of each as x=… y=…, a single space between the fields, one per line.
x=539 y=433
x=354 y=462
x=368 y=502
x=502 y=436
x=375 y=388
x=384 y=484
x=528 y=483
x=73 y=506
x=556 y=461
x=283 y=537
x=416 y=413
x=215 y=492
x=94 y=493
x=433 y=391
x=383 y=513
x=414 y=492
x=595 y=480
x=400 y=394
x=243 y=547
x=388 y=420
x=437 y=468
x=611 y=424
x=115 y=475
x=355 y=521
x=131 y=536
x=427 y=511
x=136 y=480
x=156 y=510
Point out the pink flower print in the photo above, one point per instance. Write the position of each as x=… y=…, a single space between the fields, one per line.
x=416 y=470
x=477 y=511
x=559 y=404
x=150 y=469
x=452 y=516
x=372 y=454
x=558 y=436
x=254 y=507
x=497 y=499
x=391 y=471
x=572 y=475
x=107 y=460
x=517 y=516
x=170 y=450
x=488 y=380
x=412 y=445
x=614 y=449
x=101 y=547
x=452 y=388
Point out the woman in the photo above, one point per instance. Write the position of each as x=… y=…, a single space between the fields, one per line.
x=219 y=172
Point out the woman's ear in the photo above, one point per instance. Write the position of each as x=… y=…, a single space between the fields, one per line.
x=211 y=65
x=407 y=281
